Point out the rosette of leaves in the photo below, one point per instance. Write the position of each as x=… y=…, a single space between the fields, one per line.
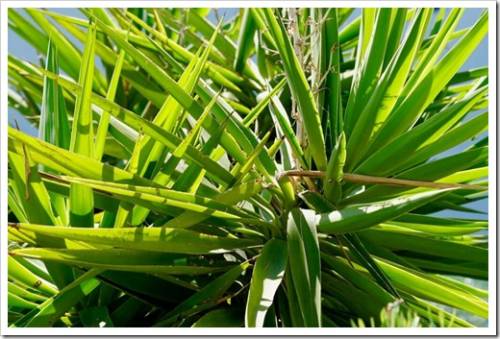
x=281 y=168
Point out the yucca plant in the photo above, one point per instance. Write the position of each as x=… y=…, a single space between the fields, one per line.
x=282 y=168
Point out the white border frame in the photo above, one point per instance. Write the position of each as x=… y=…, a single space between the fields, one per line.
x=138 y=331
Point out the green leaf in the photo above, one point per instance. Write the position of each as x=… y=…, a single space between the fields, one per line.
x=81 y=199
x=69 y=52
x=238 y=172
x=224 y=317
x=398 y=21
x=379 y=106
x=96 y=317
x=157 y=239
x=259 y=108
x=387 y=158
x=47 y=313
x=450 y=139
x=147 y=288
x=205 y=298
x=357 y=247
x=415 y=282
x=154 y=131
x=335 y=171
x=120 y=260
x=102 y=129
x=153 y=69
x=201 y=24
x=242 y=137
x=245 y=137
x=245 y=40
x=299 y=87
x=21 y=273
x=439 y=226
x=352 y=219
x=35 y=200
x=416 y=243
x=360 y=280
x=28 y=31
x=71 y=57
x=429 y=87
x=54 y=125
x=305 y=266
x=350 y=30
x=24 y=293
x=157 y=198
x=430 y=171
x=332 y=51
x=236 y=194
x=435 y=47
x=192 y=135
x=205 y=144
x=146 y=151
x=18 y=302
x=369 y=61
x=266 y=278
x=282 y=120
x=32 y=194
x=63 y=161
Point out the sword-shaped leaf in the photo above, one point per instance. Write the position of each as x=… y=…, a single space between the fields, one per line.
x=120 y=260
x=266 y=278
x=157 y=239
x=205 y=298
x=305 y=265
x=81 y=199
x=299 y=87
x=356 y=218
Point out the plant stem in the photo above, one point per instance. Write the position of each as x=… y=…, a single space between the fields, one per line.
x=368 y=179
